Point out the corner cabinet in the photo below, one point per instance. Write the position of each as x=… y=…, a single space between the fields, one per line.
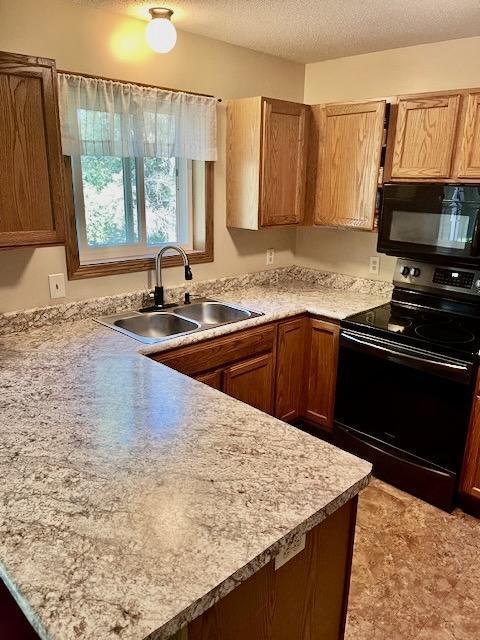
x=266 y=162
x=31 y=167
x=252 y=381
x=345 y=172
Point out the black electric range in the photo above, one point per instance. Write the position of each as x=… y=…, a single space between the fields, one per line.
x=406 y=376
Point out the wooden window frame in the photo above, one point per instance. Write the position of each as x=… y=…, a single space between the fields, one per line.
x=78 y=271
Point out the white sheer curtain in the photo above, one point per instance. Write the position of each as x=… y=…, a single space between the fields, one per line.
x=107 y=118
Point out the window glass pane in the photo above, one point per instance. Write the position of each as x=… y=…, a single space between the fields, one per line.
x=160 y=199
x=110 y=216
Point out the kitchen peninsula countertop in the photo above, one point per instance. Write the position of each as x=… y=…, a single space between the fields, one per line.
x=134 y=497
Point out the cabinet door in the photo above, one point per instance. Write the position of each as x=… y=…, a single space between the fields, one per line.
x=322 y=345
x=290 y=369
x=31 y=170
x=470 y=483
x=349 y=152
x=212 y=379
x=424 y=137
x=468 y=152
x=252 y=382
x=284 y=149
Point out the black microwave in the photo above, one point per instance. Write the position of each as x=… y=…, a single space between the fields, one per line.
x=431 y=222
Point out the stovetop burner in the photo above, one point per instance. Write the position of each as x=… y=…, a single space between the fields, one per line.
x=429 y=329
x=448 y=332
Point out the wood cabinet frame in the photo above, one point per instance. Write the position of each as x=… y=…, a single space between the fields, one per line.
x=42 y=69
x=332 y=156
x=253 y=151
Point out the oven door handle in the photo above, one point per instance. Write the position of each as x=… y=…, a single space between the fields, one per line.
x=459 y=371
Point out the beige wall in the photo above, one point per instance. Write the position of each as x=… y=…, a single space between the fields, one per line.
x=92 y=41
x=430 y=67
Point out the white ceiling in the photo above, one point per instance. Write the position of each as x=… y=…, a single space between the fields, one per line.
x=312 y=30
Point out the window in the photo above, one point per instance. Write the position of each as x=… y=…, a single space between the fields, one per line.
x=131 y=207
x=139 y=166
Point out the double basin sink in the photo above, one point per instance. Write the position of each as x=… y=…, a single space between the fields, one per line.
x=155 y=326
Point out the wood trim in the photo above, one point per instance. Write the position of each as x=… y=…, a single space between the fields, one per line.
x=139 y=84
x=77 y=271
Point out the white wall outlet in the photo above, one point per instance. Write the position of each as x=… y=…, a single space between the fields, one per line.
x=270 y=256
x=374 y=266
x=56 y=282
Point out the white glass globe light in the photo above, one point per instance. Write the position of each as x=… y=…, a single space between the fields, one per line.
x=161 y=34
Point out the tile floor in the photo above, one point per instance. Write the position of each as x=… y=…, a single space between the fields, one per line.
x=416 y=570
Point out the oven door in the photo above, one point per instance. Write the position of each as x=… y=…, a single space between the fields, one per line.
x=431 y=222
x=406 y=411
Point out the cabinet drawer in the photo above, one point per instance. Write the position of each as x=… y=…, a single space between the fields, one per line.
x=218 y=352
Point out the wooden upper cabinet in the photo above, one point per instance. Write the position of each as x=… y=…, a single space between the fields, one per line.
x=467 y=162
x=422 y=137
x=266 y=162
x=347 y=165
x=31 y=168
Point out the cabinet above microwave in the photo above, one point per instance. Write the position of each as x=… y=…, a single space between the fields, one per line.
x=434 y=137
x=431 y=222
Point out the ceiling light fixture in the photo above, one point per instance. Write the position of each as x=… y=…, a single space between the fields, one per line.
x=161 y=34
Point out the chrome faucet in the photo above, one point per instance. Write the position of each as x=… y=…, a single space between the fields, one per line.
x=158 y=296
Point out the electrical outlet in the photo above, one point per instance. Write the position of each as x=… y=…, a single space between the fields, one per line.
x=56 y=282
x=270 y=256
x=374 y=267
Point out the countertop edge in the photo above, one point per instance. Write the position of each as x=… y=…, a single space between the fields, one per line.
x=218 y=592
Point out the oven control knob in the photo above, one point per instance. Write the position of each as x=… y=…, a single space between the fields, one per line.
x=415 y=272
x=405 y=271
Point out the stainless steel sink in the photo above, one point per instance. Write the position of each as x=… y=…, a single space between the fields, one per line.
x=157 y=326
x=213 y=313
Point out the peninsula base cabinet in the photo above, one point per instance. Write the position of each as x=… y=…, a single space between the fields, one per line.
x=304 y=599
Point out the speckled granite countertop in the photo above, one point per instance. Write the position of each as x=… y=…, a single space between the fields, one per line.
x=134 y=497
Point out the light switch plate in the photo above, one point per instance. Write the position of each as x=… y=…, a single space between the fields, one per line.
x=289 y=552
x=56 y=282
x=374 y=266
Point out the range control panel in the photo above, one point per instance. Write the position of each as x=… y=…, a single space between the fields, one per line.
x=454 y=278
x=421 y=275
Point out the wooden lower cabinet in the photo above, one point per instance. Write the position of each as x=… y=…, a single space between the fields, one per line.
x=252 y=381
x=322 y=356
x=290 y=376
x=287 y=369
x=305 y=599
x=470 y=481
x=211 y=378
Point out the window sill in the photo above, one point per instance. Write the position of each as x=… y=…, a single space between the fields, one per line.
x=96 y=270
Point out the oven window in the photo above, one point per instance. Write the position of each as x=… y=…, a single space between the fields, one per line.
x=447 y=229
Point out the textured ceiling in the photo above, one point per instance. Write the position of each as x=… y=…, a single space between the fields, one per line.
x=312 y=30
